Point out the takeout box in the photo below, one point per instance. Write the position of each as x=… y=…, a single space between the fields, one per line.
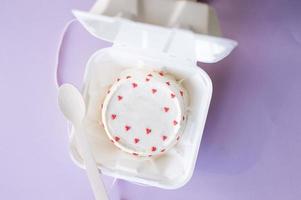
x=143 y=35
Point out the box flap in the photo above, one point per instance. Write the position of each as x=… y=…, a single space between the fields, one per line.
x=174 y=41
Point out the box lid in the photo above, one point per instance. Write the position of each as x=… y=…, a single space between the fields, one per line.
x=127 y=30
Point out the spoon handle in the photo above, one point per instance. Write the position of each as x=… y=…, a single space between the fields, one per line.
x=91 y=167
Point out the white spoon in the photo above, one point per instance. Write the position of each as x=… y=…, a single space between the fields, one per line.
x=73 y=107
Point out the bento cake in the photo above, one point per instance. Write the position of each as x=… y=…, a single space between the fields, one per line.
x=144 y=113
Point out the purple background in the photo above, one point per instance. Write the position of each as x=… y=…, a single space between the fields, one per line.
x=251 y=147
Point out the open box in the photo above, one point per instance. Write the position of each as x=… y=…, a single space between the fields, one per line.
x=138 y=44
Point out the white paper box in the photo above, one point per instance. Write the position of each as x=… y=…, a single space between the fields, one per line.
x=139 y=44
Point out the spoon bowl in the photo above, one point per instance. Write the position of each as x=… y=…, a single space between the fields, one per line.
x=71 y=103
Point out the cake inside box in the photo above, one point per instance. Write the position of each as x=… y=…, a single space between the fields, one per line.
x=169 y=170
x=144 y=112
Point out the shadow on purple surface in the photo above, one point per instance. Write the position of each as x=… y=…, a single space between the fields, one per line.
x=228 y=147
x=78 y=46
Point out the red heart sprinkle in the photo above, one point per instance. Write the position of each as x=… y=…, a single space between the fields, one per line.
x=172 y=95
x=164 y=137
x=161 y=73
x=154 y=91
x=182 y=93
x=166 y=109
x=150 y=75
x=113 y=116
x=168 y=83
x=119 y=98
x=154 y=148
x=147 y=79
x=175 y=122
x=128 y=77
x=148 y=130
x=136 y=140
x=117 y=138
x=134 y=85
x=127 y=127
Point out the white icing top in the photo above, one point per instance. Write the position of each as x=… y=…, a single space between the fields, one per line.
x=144 y=112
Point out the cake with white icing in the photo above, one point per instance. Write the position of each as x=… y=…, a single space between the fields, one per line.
x=144 y=113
